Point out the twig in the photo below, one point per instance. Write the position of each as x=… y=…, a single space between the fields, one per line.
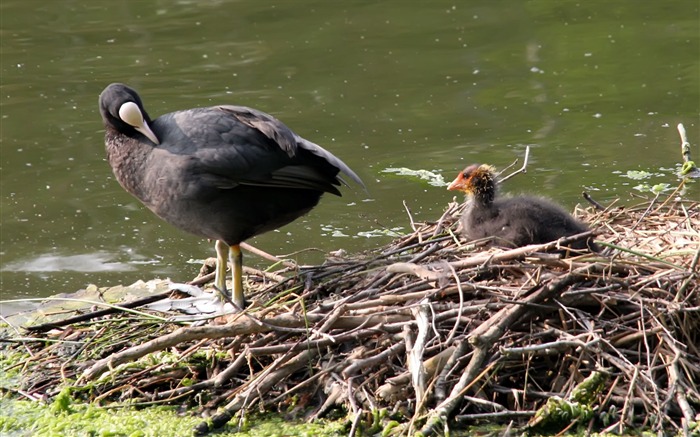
x=252 y=249
x=593 y=202
x=522 y=169
x=257 y=388
x=410 y=217
x=416 y=351
x=494 y=416
x=242 y=327
x=688 y=168
x=382 y=357
x=112 y=309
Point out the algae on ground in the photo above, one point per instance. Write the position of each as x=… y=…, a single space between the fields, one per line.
x=25 y=418
x=65 y=417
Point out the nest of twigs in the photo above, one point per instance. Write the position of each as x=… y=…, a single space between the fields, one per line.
x=427 y=332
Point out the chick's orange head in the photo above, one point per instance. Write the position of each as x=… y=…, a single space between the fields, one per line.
x=467 y=181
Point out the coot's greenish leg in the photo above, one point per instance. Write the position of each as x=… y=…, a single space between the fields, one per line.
x=237 y=275
x=221 y=263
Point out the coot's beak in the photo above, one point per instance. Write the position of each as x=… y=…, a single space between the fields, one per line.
x=131 y=114
x=144 y=129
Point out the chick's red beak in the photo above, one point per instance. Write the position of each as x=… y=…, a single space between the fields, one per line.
x=459 y=184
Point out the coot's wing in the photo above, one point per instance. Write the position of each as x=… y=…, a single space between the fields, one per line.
x=288 y=140
x=234 y=145
x=330 y=158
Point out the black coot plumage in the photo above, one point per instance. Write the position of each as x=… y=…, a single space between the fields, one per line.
x=511 y=221
x=225 y=173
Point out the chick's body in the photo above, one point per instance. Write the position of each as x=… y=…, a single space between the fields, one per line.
x=511 y=221
x=519 y=221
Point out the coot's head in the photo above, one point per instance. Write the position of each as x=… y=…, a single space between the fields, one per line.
x=122 y=110
x=476 y=180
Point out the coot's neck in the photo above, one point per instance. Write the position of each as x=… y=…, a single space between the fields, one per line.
x=127 y=157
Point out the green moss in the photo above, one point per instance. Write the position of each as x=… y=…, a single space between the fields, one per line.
x=20 y=418
x=10 y=366
x=66 y=416
x=62 y=402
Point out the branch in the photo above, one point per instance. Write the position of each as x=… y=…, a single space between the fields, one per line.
x=522 y=169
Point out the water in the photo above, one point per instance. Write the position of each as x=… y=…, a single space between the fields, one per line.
x=595 y=89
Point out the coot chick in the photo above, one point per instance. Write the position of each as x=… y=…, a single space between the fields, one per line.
x=511 y=221
x=227 y=173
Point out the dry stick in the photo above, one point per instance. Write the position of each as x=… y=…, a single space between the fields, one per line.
x=416 y=270
x=484 y=403
x=416 y=351
x=457 y=354
x=494 y=416
x=522 y=169
x=680 y=295
x=431 y=249
x=267 y=275
x=332 y=317
x=433 y=365
x=685 y=144
x=551 y=348
x=520 y=251
x=481 y=259
x=486 y=334
x=384 y=356
x=460 y=294
x=217 y=381
x=269 y=257
x=628 y=398
x=355 y=409
x=688 y=165
x=675 y=383
x=669 y=198
x=413 y=224
x=448 y=213
x=593 y=202
x=304 y=344
x=242 y=326
x=256 y=389
x=99 y=313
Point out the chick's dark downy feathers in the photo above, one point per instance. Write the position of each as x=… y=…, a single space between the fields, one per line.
x=511 y=221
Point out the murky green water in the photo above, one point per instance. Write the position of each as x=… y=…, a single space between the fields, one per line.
x=596 y=88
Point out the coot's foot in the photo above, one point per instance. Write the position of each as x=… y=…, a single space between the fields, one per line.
x=200 y=306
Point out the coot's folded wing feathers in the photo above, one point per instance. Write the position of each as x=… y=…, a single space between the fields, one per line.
x=239 y=145
x=299 y=177
x=330 y=158
x=266 y=124
x=288 y=140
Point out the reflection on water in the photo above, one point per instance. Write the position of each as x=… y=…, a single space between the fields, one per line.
x=595 y=91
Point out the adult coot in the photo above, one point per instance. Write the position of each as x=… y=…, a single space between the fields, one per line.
x=511 y=221
x=225 y=173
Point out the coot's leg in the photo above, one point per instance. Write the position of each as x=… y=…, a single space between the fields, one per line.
x=221 y=265
x=237 y=263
